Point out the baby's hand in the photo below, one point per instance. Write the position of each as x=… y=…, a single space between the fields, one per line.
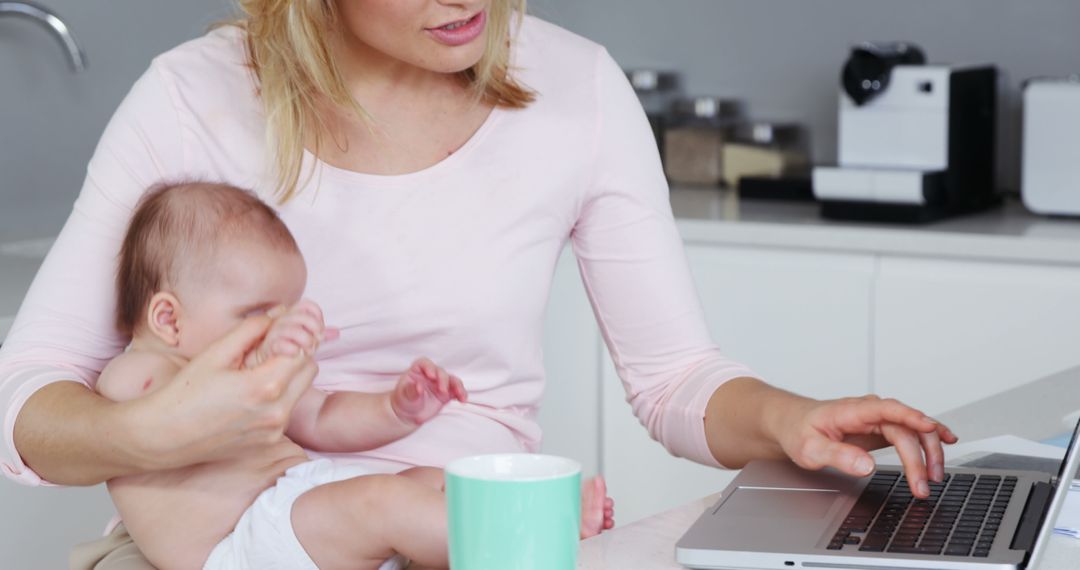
x=299 y=328
x=423 y=390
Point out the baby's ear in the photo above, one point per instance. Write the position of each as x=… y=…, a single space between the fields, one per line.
x=163 y=318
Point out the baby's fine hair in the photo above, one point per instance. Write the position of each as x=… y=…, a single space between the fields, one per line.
x=176 y=228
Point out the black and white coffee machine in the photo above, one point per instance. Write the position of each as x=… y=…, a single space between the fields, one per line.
x=916 y=141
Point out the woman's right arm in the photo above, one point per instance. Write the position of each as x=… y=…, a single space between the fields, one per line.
x=55 y=429
x=64 y=333
x=211 y=409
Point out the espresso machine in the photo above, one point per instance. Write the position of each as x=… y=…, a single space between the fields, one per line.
x=916 y=141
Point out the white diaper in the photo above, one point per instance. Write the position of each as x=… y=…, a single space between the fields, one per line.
x=264 y=538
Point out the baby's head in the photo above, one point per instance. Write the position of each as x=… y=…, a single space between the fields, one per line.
x=197 y=259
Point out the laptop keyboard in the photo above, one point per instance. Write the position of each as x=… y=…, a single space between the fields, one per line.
x=960 y=518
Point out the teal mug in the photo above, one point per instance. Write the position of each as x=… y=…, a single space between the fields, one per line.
x=514 y=512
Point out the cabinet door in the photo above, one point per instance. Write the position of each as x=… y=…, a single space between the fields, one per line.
x=570 y=411
x=42 y=525
x=801 y=320
x=948 y=333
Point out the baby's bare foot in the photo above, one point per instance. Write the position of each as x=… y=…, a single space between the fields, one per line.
x=597 y=509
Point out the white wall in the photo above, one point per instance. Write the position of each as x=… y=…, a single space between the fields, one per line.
x=784 y=56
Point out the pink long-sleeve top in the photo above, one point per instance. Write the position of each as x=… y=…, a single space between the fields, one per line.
x=453 y=262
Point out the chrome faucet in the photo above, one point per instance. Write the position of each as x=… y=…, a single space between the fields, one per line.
x=59 y=29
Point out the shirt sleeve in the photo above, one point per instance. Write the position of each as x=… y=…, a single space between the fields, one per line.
x=635 y=271
x=65 y=330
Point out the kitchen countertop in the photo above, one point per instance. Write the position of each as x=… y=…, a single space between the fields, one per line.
x=1007 y=233
x=708 y=216
x=19 y=263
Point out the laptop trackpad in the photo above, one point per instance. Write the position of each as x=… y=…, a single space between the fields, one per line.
x=778 y=503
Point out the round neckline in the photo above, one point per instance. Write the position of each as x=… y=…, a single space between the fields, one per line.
x=325 y=169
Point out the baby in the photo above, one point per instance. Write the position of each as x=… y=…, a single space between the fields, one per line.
x=197 y=259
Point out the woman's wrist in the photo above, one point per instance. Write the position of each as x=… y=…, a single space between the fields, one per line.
x=747 y=419
x=782 y=410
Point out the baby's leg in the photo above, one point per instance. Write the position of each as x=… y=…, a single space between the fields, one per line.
x=430 y=476
x=361 y=522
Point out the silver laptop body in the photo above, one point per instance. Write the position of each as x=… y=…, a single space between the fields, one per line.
x=775 y=515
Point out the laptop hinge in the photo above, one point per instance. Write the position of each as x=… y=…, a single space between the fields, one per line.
x=1034 y=511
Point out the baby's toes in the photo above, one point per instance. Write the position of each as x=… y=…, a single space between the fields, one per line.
x=593 y=507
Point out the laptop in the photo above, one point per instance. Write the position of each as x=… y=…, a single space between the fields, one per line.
x=775 y=515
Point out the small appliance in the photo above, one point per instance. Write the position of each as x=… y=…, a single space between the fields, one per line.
x=1051 y=157
x=916 y=141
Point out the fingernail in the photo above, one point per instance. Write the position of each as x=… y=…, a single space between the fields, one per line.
x=930 y=419
x=864 y=465
x=939 y=473
x=924 y=489
x=276 y=311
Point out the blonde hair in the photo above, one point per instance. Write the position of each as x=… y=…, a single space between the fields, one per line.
x=289 y=48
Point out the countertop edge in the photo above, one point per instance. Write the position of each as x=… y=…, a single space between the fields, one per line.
x=5 y=326
x=905 y=242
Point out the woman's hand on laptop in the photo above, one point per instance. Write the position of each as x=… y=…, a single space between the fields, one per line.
x=838 y=433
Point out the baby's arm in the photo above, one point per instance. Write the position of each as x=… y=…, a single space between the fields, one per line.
x=135 y=373
x=358 y=421
x=352 y=421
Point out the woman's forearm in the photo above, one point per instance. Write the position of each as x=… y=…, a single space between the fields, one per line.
x=743 y=418
x=72 y=436
x=210 y=411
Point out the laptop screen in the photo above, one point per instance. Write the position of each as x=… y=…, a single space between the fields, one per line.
x=1071 y=451
x=1065 y=477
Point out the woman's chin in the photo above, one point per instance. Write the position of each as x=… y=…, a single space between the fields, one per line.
x=454 y=63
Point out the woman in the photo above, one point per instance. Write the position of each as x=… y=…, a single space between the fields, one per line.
x=432 y=157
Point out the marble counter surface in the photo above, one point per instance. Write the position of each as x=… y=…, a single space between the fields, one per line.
x=19 y=262
x=1006 y=233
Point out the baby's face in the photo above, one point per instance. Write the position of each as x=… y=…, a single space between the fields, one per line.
x=244 y=280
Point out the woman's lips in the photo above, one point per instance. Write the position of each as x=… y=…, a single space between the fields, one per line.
x=460 y=32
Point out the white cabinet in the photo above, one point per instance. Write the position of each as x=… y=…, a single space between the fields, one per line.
x=42 y=525
x=949 y=332
x=799 y=319
x=569 y=411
